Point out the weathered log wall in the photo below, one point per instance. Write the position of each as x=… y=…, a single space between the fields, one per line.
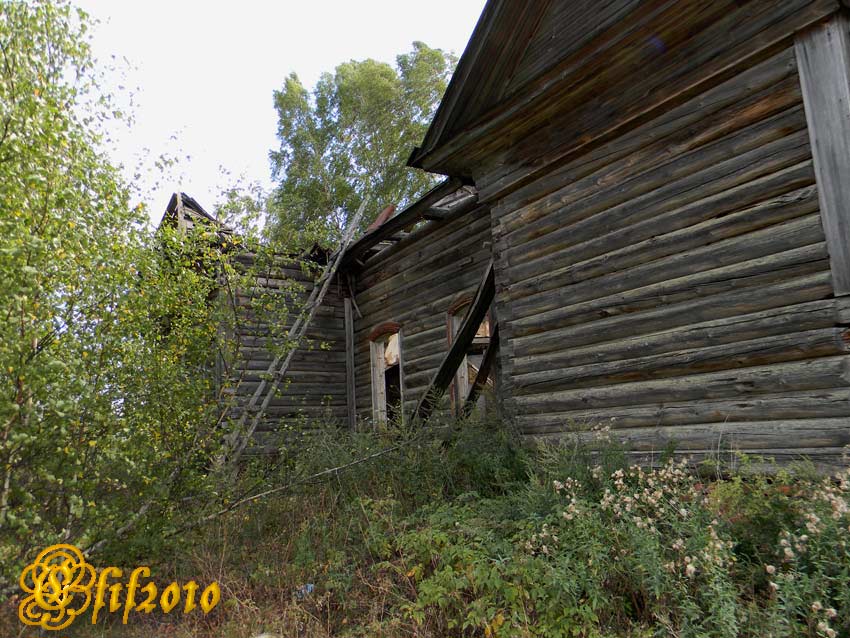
x=313 y=391
x=674 y=282
x=414 y=283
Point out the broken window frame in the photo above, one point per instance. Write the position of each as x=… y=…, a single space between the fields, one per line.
x=462 y=383
x=378 y=339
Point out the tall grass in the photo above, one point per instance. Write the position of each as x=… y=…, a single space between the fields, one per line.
x=465 y=532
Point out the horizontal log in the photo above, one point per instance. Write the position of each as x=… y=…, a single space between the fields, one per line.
x=752 y=154
x=751 y=89
x=808 y=404
x=784 y=434
x=776 y=321
x=694 y=263
x=827 y=372
x=747 y=274
x=765 y=292
x=759 y=461
x=707 y=358
x=664 y=237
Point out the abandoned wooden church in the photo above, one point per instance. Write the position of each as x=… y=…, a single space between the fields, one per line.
x=645 y=224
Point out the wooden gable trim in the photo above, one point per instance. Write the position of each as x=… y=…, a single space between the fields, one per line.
x=525 y=114
x=497 y=45
x=823 y=59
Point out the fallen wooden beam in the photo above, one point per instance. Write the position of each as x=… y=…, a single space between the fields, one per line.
x=459 y=347
x=484 y=369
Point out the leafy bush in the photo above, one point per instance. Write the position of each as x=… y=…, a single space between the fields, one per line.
x=469 y=534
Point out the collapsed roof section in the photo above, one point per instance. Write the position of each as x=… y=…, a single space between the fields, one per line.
x=185 y=212
x=450 y=198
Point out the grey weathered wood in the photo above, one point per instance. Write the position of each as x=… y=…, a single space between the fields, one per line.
x=746 y=274
x=239 y=437
x=457 y=352
x=621 y=191
x=350 y=385
x=823 y=55
x=705 y=357
x=789 y=319
x=745 y=435
x=782 y=404
x=708 y=238
x=484 y=371
x=825 y=372
x=710 y=56
x=402 y=220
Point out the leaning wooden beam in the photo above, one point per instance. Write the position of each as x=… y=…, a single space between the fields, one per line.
x=405 y=218
x=238 y=440
x=823 y=58
x=457 y=351
x=484 y=369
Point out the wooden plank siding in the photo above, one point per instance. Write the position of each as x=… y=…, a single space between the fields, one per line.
x=824 y=60
x=314 y=388
x=413 y=284
x=674 y=283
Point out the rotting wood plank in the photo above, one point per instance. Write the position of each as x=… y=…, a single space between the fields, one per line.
x=659 y=268
x=627 y=248
x=458 y=349
x=552 y=232
x=746 y=274
x=823 y=55
x=802 y=433
x=645 y=225
x=704 y=358
x=788 y=319
x=761 y=291
x=753 y=88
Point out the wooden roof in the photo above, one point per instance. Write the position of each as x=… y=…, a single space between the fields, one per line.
x=500 y=38
x=544 y=79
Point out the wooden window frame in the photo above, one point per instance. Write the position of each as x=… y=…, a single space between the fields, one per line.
x=460 y=385
x=377 y=366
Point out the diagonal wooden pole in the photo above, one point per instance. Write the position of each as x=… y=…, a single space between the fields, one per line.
x=484 y=369
x=463 y=339
x=238 y=440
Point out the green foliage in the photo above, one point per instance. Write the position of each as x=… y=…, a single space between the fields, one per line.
x=414 y=544
x=109 y=331
x=350 y=139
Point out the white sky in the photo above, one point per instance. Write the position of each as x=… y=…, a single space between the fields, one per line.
x=204 y=72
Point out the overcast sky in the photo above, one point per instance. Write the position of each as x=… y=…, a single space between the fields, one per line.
x=205 y=72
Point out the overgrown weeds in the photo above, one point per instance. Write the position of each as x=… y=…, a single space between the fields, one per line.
x=470 y=534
